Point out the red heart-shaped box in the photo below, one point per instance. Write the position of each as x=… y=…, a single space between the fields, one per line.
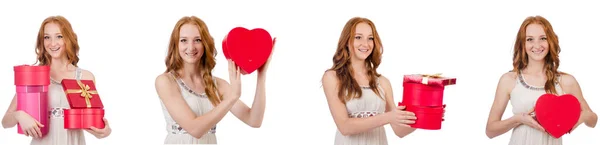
x=557 y=114
x=249 y=49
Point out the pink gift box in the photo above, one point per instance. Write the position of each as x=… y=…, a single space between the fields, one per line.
x=32 y=93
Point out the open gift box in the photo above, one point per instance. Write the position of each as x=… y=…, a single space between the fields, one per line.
x=86 y=107
x=424 y=96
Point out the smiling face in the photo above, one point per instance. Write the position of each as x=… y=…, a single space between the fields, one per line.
x=362 y=43
x=56 y=40
x=190 y=44
x=54 y=43
x=359 y=43
x=536 y=42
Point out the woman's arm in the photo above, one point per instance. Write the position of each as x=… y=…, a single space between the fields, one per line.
x=400 y=130
x=496 y=126
x=103 y=132
x=9 y=120
x=252 y=116
x=29 y=125
x=345 y=124
x=197 y=126
x=571 y=86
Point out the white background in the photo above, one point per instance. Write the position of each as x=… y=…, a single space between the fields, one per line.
x=124 y=44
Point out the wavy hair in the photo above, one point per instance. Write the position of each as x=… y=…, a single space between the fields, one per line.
x=348 y=86
x=551 y=61
x=69 y=38
x=207 y=62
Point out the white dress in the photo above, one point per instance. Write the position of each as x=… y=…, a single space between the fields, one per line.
x=200 y=105
x=369 y=104
x=523 y=98
x=57 y=135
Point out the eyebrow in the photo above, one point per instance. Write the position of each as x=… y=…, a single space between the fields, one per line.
x=187 y=37
x=362 y=34
x=49 y=34
x=532 y=36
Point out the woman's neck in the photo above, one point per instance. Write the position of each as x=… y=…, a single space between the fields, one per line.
x=190 y=72
x=359 y=67
x=59 y=64
x=535 y=68
x=60 y=69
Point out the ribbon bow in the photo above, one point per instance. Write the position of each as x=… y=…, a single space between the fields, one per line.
x=85 y=92
x=426 y=77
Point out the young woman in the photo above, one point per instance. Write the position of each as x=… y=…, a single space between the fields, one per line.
x=360 y=99
x=57 y=47
x=535 y=72
x=193 y=100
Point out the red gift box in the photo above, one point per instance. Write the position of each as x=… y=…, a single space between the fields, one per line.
x=83 y=118
x=86 y=107
x=425 y=90
x=424 y=96
x=427 y=117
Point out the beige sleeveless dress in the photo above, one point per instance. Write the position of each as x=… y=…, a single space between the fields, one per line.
x=57 y=135
x=369 y=104
x=200 y=105
x=523 y=98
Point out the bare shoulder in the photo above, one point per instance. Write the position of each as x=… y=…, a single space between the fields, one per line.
x=567 y=80
x=164 y=79
x=87 y=75
x=508 y=78
x=330 y=83
x=507 y=81
x=221 y=82
x=329 y=77
x=222 y=85
x=166 y=86
x=385 y=82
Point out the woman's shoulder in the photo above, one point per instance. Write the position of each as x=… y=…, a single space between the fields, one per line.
x=507 y=82
x=86 y=74
x=510 y=76
x=329 y=76
x=164 y=79
x=567 y=80
x=219 y=80
x=384 y=81
x=329 y=73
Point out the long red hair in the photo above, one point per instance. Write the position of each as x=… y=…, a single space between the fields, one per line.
x=349 y=87
x=69 y=38
x=520 y=58
x=206 y=63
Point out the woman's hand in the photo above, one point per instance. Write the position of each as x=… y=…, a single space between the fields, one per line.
x=529 y=120
x=263 y=69
x=235 y=83
x=29 y=125
x=100 y=133
x=401 y=117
